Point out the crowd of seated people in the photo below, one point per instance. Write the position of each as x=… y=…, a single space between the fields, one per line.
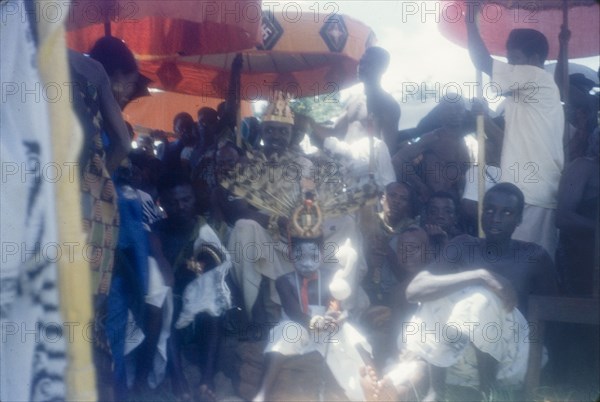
x=192 y=261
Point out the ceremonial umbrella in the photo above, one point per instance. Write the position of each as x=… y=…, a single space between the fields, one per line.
x=304 y=54
x=499 y=17
x=166 y=28
x=156 y=112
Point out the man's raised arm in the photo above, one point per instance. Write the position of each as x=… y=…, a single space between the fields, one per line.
x=479 y=53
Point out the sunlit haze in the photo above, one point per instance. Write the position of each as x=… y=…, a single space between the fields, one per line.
x=419 y=53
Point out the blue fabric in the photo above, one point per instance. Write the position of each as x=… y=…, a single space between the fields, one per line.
x=129 y=283
x=116 y=328
x=133 y=237
x=105 y=140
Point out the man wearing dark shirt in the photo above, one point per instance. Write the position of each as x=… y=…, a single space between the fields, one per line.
x=474 y=285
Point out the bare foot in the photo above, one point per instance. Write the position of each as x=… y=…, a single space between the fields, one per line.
x=416 y=383
x=375 y=389
x=407 y=381
x=387 y=391
x=369 y=383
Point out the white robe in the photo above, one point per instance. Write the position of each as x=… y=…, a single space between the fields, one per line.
x=445 y=331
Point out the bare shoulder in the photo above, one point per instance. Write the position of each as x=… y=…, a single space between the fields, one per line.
x=531 y=254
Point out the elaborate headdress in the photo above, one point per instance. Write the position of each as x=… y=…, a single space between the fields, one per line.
x=279 y=109
x=327 y=196
x=306 y=221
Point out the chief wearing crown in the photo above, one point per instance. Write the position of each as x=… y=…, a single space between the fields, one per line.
x=290 y=222
x=262 y=230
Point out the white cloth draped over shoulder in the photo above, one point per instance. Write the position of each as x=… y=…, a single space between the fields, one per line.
x=208 y=292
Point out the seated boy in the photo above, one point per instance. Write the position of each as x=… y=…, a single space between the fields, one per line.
x=304 y=294
x=311 y=321
x=470 y=326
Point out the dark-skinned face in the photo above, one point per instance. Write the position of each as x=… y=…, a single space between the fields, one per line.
x=276 y=136
x=396 y=202
x=452 y=114
x=123 y=86
x=226 y=159
x=185 y=130
x=501 y=216
x=179 y=203
x=441 y=211
x=369 y=67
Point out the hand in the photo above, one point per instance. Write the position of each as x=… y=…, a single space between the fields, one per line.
x=238 y=63
x=195 y=266
x=323 y=323
x=564 y=35
x=433 y=230
x=502 y=288
x=354 y=111
x=479 y=106
x=379 y=316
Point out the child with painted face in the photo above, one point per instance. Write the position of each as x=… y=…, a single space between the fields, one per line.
x=304 y=294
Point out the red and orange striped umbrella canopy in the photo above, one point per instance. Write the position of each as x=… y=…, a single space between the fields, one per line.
x=499 y=17
x=166 y=28
x=307 y=55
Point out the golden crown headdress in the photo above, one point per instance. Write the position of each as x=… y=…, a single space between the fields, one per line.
x=279 y=109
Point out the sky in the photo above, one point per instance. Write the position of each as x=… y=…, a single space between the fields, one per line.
x=419 y=53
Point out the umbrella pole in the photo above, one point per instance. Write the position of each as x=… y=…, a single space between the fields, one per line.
x=480 y=155
x=564 y=59
x=371 y=133
x=234 y=96
x=238 y=111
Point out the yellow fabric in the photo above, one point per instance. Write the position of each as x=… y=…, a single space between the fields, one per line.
x=302 y=33
x=74 y=273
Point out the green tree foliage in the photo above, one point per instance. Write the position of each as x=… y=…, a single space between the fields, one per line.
x=322 y=108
